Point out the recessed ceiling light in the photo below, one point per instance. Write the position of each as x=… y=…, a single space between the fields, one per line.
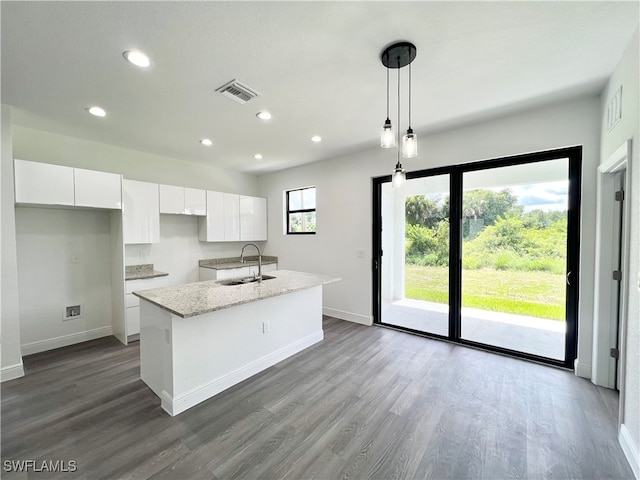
x=96 y=111
x=258 y=156
x=263 y=115
x=206 y=142
x=138 y=58
x=316 y=138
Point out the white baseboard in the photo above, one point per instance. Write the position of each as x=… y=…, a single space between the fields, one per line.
x=12 y=371
x=582 y=369
x=174 y=406
x=630 y=449
x=65 y=340
x=351 y=317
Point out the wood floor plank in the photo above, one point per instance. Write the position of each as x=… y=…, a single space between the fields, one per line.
x=367 y=402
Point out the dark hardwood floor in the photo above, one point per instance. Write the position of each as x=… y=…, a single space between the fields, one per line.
x=366 y=402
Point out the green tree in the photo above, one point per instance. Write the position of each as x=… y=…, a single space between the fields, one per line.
x=422 y=210
x=483 y=207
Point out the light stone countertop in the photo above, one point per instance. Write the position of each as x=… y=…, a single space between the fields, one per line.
x=141 y=272
x=198 y=298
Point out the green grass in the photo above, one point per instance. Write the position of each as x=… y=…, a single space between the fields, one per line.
x=538 y=294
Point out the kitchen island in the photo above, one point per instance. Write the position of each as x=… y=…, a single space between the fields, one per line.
x=199 y=339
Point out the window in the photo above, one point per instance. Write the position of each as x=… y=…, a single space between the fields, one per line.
x=301 y=211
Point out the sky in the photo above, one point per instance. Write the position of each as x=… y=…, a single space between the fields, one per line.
x=542 y=196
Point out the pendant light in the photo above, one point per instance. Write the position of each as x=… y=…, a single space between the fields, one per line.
x=409 y=140
x=388 y=137
x=399 y=55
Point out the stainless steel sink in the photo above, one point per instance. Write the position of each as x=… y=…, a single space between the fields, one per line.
x=243 y=280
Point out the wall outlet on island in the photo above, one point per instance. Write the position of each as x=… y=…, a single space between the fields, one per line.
x=266 y=326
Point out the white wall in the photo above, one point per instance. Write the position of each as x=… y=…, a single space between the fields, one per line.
x=627 y=74
x=344 y=199
x=11 y=356
x=49 y=279
x=179 y=249
x=39 y=146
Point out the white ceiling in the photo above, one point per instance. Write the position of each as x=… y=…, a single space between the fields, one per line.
x=316 y=64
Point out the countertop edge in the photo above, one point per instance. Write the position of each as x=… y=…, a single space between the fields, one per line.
x=146 y=276
x=321 y=281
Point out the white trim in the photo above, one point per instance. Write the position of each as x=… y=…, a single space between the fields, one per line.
x=582 y=369
x=12 y=371
x=630 y=450
x=174 y=406
x=65 y=340
x=617 y=160
x=351 y=317
x=603 y=366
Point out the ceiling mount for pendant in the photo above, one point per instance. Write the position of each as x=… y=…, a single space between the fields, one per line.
x=398 y=54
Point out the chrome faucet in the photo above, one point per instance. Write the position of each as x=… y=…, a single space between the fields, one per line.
x=259 y=259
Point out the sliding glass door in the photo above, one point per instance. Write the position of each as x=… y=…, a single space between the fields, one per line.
x=415 y=239
x=504 y=274
x=514 y=257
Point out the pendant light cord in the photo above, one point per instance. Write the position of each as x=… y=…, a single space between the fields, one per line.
x=409 y=96
x=398 y=127
x=387 y=93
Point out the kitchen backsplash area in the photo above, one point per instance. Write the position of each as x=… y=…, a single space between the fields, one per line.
x=179 y=250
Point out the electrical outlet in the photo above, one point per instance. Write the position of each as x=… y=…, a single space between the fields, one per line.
x=143 y=254
x=75 y=258
x=266 y=326
x=360 y=253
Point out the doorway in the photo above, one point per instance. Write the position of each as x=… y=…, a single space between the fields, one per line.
x=503 y=276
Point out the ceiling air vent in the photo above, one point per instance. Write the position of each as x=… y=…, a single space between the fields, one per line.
x=237 y=91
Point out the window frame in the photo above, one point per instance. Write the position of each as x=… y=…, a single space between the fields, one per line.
x=288 y=211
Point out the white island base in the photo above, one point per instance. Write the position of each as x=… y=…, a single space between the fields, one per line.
x=188 y=360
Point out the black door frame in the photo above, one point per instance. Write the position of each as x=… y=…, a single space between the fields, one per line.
x=574 y=154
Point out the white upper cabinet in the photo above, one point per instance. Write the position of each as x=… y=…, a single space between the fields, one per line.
x=195 y=201
x=253 y=218
x=43 y=183
x=46 y=184
x=222 y=223
x=140 y=212
x=171 y=199
x=182 y=200
x=211 y=228
x=98 y=189
x=231 y=217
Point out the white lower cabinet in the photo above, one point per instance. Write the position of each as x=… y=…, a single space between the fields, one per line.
x=133 y=315
x=133 y=303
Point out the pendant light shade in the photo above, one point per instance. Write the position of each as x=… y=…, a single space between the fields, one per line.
x=409 y=144
x=399 y=176
x=388 y=137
